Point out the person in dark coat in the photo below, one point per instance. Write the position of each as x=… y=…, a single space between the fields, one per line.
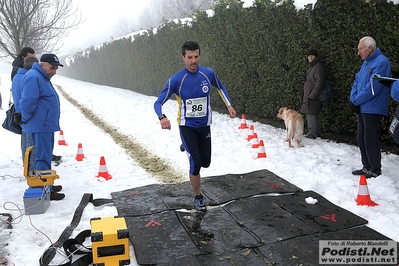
x=311 y=105
x=19 y=61
x=16 y=89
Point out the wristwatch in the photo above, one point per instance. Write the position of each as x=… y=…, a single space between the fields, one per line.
x=162 y=116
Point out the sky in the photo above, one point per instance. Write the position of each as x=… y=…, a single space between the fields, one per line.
x=101 y=21
x=321 y=165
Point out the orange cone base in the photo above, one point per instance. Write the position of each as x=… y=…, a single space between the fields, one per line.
x=363 y=196
x=62 y=142
x=243 y=126
x=365 y=201
x=105 y=175
x=79 y=157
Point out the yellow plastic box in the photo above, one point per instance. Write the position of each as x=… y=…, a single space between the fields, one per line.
x=110 y=241
x=38 y=178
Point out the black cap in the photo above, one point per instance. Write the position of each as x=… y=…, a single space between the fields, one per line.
x=52 y=59
x=312 y=52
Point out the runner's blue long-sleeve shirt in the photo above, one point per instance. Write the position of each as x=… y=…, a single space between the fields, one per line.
x=192 y=92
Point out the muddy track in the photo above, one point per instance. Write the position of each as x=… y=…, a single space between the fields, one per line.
x=157 y=167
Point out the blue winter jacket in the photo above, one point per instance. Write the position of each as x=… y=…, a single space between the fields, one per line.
x=368 y=93
x=395 y=91
x=16 y=88
x=40 y=104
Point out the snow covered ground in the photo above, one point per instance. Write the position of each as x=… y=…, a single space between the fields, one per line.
x=322 y=165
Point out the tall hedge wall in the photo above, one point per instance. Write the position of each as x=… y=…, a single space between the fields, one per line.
x=247 y=47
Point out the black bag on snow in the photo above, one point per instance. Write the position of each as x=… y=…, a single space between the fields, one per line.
x=9 y=122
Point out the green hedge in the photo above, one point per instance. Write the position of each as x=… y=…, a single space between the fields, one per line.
x=247 y=47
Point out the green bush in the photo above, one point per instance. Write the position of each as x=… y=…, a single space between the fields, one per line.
x=247 y=47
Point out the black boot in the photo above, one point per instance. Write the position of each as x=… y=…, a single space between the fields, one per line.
x=56 y=196
x=56 y=158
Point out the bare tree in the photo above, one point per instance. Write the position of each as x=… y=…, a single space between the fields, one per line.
x=150 y=17
x=40 y=24
x=126 y=26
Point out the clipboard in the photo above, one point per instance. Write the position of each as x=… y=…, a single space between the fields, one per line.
x=387 y=81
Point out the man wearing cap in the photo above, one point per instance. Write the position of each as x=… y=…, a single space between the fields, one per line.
x=311 y=105
x=40 y=110
x=17 y=64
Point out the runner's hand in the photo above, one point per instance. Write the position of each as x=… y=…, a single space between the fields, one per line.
x=165 y=123
x=232 y=112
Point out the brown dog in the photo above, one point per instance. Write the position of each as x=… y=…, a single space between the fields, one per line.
x=293 y=123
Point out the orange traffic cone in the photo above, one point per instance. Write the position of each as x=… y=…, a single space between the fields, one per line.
x=255 y=141
x=250 y=132
x=243 y=122
x=79 y=154
x=61 y=140
x=261 y=150
x=363 y=196
x=103 y=170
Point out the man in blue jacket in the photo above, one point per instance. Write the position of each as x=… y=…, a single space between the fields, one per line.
x=192 y=87
x=370 y=100
x=40 y=110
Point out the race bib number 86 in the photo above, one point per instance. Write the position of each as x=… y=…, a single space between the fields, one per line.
x=196 y=107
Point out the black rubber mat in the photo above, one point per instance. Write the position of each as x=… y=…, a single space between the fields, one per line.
x=237 y=186
x=277 y=218
x=216 y=231
x=264 y=220
x=186 y=260
x=138 y=201
x=267 y=220
x=304 y=250
x=153 y=199
x=218 y=189
x=242 y=257
x=324 y=215
x=159 y=239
